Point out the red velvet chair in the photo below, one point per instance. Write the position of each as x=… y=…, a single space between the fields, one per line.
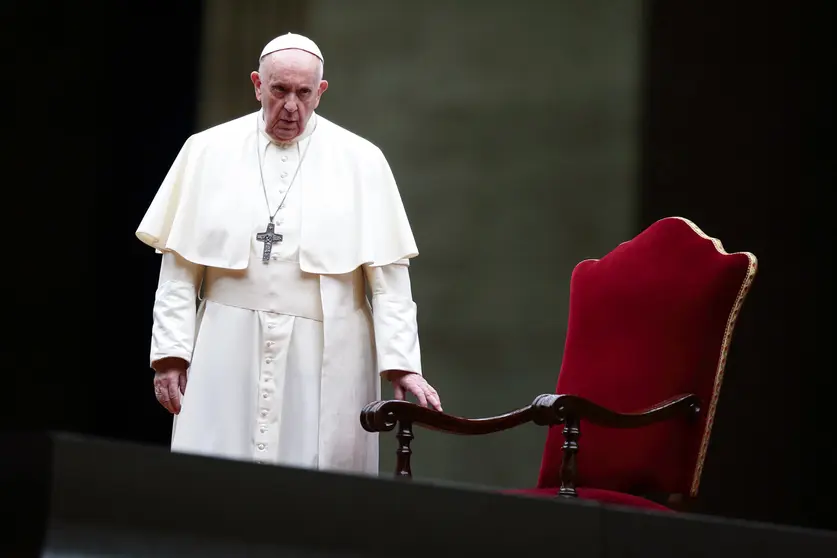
x=650 y=326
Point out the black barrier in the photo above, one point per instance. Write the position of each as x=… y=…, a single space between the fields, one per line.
x=73 y=496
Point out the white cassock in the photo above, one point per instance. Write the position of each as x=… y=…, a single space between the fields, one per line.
x=283 y=355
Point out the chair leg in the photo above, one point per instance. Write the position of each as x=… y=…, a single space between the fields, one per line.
x=571 y=432
x=405 y=436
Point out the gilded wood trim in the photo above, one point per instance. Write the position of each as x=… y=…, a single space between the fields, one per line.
x=725 y=344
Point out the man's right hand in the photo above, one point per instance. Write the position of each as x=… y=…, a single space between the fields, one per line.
x=170 y=383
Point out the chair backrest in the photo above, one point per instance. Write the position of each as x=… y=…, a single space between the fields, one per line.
x=651 y=320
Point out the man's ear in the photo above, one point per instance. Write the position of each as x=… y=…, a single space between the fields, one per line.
x=320 y=90
x=257 y=84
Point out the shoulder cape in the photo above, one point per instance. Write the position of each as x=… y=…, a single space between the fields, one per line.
x=352 y=212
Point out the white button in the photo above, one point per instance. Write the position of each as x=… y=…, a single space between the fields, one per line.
x=268 y=360
x=273 y=257
x=270 y=325
x=261 y=446
x=281 y=191
x=263 y=429
x=265 y=396
x=284 y=175
x=269 y=343
x=284 y=158
x=263 y=413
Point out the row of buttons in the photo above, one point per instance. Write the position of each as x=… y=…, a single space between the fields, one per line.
x=282 y=189
x=266 y=378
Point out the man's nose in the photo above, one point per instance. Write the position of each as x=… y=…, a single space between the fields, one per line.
x=290 y=103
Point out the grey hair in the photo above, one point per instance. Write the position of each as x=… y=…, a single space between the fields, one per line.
x=320 y=65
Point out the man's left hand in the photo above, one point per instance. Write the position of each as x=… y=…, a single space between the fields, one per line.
x=403 y=382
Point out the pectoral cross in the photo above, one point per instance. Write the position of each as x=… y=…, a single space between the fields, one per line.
x=269 y=237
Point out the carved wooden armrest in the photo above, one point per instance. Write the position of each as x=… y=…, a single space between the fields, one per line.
x=545 y=410
x=571 y=410
x=383 y=416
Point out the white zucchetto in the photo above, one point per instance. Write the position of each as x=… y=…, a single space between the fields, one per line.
x=292 y=41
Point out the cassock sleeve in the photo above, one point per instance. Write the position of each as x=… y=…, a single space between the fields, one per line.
x=394 y=317
x=175 y=308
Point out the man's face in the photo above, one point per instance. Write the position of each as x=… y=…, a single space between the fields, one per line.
x=289 y=85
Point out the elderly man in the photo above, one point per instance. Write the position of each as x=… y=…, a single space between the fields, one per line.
x=280 y=221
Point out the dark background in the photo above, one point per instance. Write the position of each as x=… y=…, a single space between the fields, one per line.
x=749 y=158
x=101 y=97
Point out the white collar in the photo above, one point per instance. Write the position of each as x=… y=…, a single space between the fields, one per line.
x=265 y=140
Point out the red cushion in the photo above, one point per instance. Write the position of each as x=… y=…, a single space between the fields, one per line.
x=649 y=321
x=603 y=496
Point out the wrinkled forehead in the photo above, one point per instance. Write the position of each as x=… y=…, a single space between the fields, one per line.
x=294 y=64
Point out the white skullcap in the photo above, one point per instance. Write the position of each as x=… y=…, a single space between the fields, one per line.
x=289 y=41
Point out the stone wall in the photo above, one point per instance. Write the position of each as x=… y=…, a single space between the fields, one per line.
x=512 y=131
